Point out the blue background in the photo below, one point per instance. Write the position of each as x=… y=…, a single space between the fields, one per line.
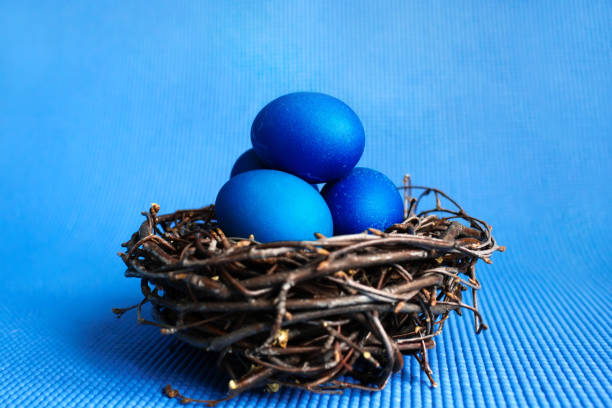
x=106 y=107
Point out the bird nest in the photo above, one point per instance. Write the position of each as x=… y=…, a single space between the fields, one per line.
x=323 y=315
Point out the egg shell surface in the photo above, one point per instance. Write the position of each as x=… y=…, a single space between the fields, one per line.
x=311 y=135
x=250 y=161
x=246 y=162
x=273 y=206
x=363 y=199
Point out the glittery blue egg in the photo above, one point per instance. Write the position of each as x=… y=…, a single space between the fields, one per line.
x=312 y=135
x=246 y=162
x=273 y=206
x=363 y=199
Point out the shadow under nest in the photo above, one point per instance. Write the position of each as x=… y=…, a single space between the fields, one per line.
x=322 y=315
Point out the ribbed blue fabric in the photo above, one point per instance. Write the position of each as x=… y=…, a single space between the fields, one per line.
x=106 y=107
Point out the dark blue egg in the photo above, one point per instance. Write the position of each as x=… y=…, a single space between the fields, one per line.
x=363 y=199
x=312 y=135
x=249 y=161
x=246 y=162
x=273 y=206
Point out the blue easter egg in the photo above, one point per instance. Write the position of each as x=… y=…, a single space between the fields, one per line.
x=312 y=135
x=273 y=206
x=363 y=199
x=249 y=161
x=246 y=162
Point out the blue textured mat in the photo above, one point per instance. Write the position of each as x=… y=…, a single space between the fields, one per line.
x=108 y=106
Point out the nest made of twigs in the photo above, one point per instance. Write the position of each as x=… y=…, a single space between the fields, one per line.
x=322 y=315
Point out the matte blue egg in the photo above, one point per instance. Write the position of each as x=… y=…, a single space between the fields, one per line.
x=363 y=199
x=246 y=162
x=312 y=135
x=273 y=206
x=249 y=161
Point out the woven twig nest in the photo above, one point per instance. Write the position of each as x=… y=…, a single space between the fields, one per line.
x=321 y=315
